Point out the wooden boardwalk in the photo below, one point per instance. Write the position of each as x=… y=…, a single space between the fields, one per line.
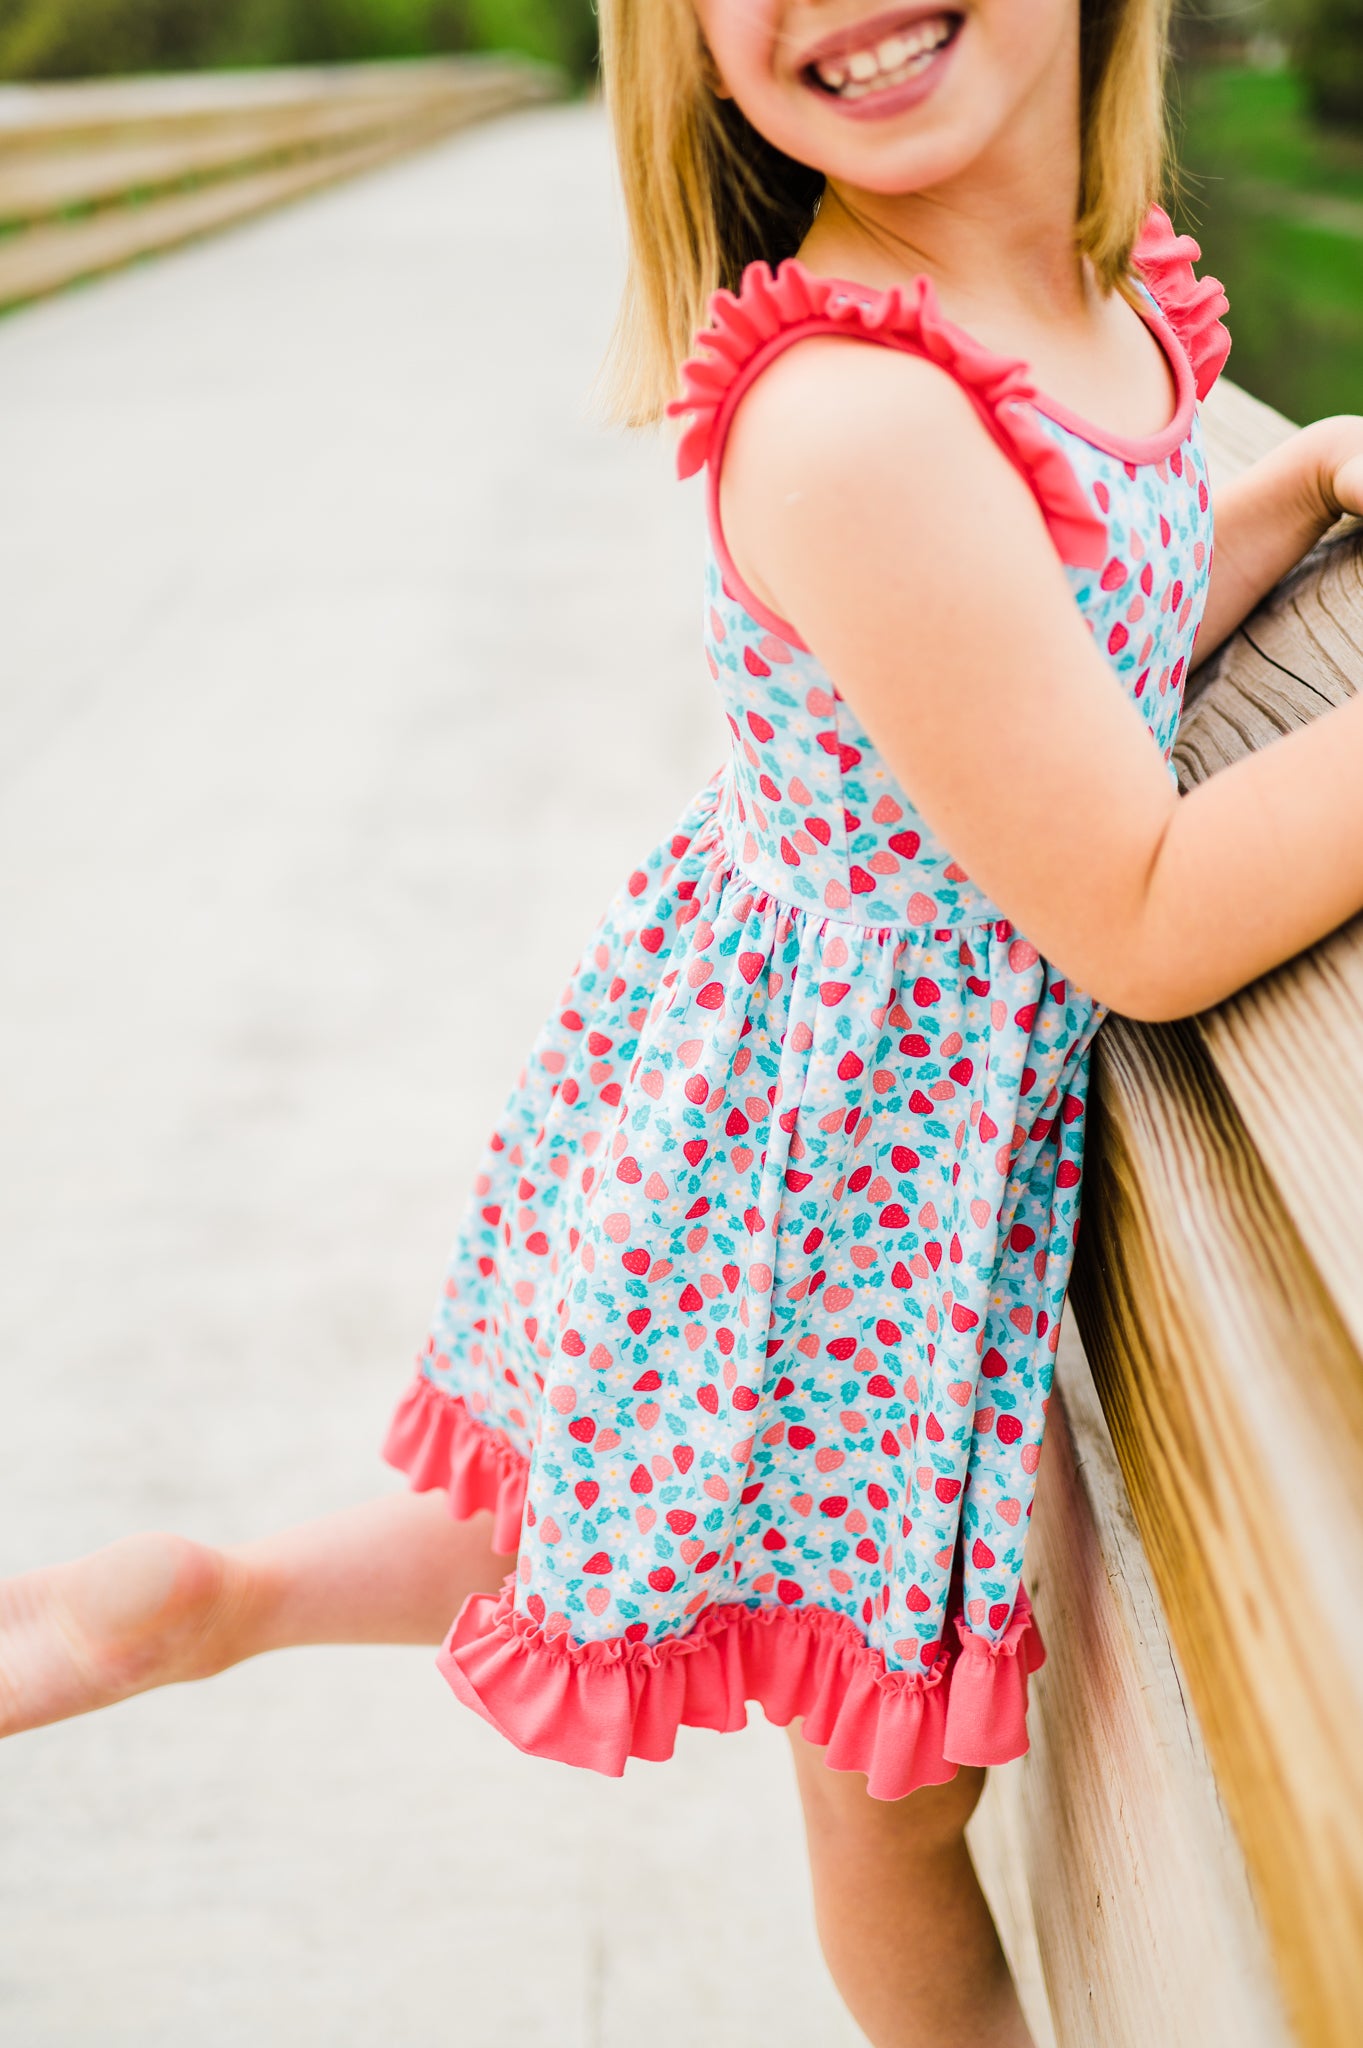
x=347 y=666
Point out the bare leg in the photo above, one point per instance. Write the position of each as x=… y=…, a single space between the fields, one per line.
x=157 y=1609
x=902 y=1921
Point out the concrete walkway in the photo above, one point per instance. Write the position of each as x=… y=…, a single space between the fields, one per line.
x=345 y=666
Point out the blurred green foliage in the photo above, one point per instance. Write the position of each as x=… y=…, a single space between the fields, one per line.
x=1327 y=44
x=1324 y=37
x=1275 y=197
x=92 y=38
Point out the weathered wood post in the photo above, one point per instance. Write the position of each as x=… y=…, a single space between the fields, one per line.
x=1180 y=1857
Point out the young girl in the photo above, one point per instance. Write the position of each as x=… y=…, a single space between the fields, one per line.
x=738 y=1385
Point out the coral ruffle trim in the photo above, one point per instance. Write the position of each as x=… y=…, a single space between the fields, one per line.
x=773 y=309
x=596 y=1704
x=1192 y=305
x=436 y=1441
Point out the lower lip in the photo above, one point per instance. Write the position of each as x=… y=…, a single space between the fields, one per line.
x=883 y=106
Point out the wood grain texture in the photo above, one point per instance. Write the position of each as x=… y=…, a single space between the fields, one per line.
x=1238 y=428
x=1189 y=1818
x=1219 y=1289
x=1105 y=1851
x=1289 y=1049
x=1216 y=1352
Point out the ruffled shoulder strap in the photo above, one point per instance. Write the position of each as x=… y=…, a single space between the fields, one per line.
x=773 y=309
x=1192 y=305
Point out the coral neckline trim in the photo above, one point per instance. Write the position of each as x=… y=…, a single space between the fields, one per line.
x=1138 y=448
x=1126 y=447
x=773 y=309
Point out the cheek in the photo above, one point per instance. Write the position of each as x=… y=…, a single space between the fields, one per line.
x=741 y=36
x=1028 y=39
x=744 y=39
x=1013 y=52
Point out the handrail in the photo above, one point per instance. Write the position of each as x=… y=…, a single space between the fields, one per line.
x=95 y=174
x=1219 y=1290
x=1180 y=1856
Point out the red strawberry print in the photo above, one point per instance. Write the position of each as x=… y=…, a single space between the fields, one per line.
x=759 y=1286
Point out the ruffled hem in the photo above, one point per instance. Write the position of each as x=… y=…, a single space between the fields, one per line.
x=1192 y=305
x=436 y=1441
x=597 y=1704
x=771 y=310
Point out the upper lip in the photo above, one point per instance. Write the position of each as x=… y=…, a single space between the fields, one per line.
x=870 y=30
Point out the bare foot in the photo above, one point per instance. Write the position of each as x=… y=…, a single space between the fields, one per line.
x=145 y=1611
x=153 y=1610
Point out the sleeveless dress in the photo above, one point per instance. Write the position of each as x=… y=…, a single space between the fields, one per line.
x=748 y=1333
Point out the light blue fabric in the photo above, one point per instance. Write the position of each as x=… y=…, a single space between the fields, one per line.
x=765 y=1261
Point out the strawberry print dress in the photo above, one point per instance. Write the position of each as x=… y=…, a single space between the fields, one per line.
x=748 y=1333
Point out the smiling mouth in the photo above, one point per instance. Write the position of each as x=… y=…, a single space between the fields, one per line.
x=858 y=72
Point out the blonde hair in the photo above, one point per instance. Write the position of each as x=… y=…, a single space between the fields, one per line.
x=705 y=194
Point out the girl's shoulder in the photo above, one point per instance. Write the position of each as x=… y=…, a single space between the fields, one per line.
x=773 y=309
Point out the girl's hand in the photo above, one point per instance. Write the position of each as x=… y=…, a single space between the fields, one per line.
x=1341 y=465
x=1273 y=513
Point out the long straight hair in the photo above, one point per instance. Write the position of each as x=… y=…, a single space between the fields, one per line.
x=705 y=194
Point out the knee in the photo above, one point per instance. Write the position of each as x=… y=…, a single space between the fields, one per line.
x=944 y=1810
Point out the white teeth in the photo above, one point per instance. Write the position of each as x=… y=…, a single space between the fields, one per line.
x=890 y=63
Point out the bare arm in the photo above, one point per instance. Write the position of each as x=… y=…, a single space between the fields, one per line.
x=1273 y=513
x=863 y=499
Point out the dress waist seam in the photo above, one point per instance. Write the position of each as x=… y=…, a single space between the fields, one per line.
x=710 y=839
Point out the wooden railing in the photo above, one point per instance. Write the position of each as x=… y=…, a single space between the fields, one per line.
x=95 y=174
x=1180 y=1857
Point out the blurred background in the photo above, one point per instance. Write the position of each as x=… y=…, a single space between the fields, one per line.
x=1266 y=105
x=1267 y=111
x=346 y=665
x=94 y=38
